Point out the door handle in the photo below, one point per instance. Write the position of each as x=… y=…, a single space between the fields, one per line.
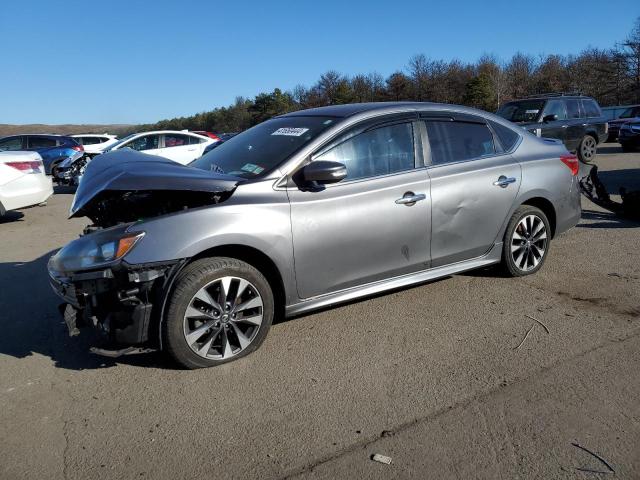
x=410 y=198
x=191 y=149
x=565 y=126
x=504 y=182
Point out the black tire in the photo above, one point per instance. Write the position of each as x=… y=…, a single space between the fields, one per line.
x=190 y=281
x=510 y=267
x=587 y=149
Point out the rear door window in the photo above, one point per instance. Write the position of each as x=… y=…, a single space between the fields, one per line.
x=591 y=109
x=42 y=142
x=458 y=141
x=573 y=108
x=175 y=140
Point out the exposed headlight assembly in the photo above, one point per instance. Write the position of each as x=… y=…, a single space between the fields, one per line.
x=94 y=250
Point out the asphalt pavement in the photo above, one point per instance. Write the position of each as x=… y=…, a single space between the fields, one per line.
x=430 y=376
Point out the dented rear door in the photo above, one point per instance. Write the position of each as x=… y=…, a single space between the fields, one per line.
x=470 y=198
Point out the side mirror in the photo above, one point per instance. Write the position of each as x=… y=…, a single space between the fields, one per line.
x=550 y=118
x=324 y=171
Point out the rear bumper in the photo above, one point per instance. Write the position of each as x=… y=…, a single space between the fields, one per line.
x=569 y=211
x=25 y=191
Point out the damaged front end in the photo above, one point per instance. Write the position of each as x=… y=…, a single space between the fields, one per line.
x=91 y=274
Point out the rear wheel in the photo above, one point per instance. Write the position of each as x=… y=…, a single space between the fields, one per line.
x=220 y=310
x=587 y=149
x=526 y=241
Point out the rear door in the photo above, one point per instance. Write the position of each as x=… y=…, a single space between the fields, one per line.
x=360 y=230
x=474 y=183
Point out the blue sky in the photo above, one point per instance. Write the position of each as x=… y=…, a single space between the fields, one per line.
x=133 y=61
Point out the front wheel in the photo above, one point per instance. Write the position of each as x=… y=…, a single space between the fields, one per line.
x=526 y=241
x=220 y=310
x=587 y=149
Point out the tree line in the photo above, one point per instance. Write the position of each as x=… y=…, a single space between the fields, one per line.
x=611 y=76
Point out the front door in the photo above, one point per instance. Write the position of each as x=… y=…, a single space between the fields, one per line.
x=473 y=187
x=363 y=229
x=554 y=128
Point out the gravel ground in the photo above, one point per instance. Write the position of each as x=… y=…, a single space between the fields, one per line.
x=428 y=376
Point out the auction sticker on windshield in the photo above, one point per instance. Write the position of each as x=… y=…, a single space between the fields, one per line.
x=290 y=132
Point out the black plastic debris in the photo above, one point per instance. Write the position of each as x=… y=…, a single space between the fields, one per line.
x=592 y=187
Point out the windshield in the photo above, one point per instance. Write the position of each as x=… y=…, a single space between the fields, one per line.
x=522 y=110
x=260 y=149
x=119 y=142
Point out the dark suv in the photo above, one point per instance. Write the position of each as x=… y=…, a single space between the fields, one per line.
x=575 y=119
x=52 y=148
x=630 y=113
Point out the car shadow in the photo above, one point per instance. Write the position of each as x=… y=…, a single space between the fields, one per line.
x=610 y=149
x=606 y=220
x=64 y=189
x=11 y=216
x=31 y=323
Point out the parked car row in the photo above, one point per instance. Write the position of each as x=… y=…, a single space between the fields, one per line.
x=65 y=158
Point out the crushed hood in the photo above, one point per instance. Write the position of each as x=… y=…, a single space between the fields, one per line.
x=121 y=172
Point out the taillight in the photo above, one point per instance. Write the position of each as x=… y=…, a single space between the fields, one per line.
x=571 y=161
x=78 y=148
x=26 y=167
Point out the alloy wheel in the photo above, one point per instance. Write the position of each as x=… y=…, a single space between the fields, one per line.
x=588 y=148
x=223 y=318
x=529 y=242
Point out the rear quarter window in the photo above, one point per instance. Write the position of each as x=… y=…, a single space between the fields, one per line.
x=507 y=137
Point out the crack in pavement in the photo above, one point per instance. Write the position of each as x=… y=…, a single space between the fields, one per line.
x=457 y=405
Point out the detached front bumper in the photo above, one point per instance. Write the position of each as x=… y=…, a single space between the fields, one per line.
x=119 y=301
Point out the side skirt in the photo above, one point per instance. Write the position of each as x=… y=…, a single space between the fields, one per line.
x=492 y=257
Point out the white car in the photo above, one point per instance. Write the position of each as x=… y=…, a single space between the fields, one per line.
x=180 y=146
x=95 y=144
x=23 y=182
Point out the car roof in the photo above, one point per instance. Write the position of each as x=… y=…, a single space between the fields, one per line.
x=549 y=97
x=350 y=109
x=183 y=132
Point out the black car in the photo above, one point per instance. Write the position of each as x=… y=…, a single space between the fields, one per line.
x=629 y=113
x=575 y=119
x=629 y=135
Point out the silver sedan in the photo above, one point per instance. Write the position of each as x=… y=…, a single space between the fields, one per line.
x=305 y=211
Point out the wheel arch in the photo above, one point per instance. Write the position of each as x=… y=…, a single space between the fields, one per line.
x=256 y=258
x=253 y=256
x=547 y=208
